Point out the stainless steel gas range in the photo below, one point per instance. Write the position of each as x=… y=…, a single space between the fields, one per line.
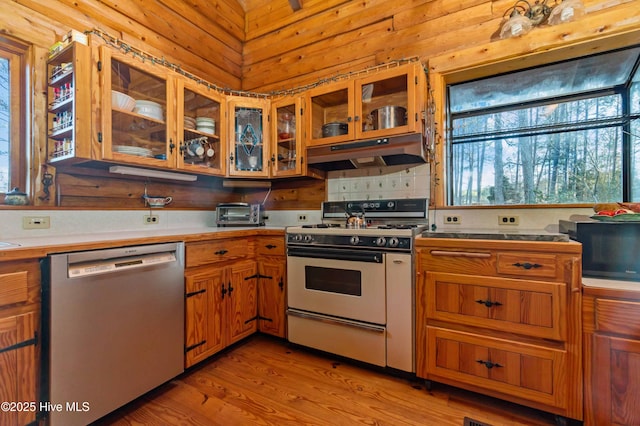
x=351 y=289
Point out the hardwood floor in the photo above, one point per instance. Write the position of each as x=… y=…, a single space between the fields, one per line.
x=264 y=381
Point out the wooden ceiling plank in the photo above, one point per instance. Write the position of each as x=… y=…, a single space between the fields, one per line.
x=314 y=30
x=278 y=14
x=156 y=17
x=191 y=14
x=227 y=14
x=98 y=15
x=361 y=42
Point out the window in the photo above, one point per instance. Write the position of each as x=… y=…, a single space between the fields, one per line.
x=566 y=133
x=12 y=114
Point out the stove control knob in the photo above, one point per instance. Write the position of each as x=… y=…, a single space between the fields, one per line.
x=390 y=204
x=354 y=240
x=297 y=237
x=381 y=241
x=307 y=238
x=393 y=242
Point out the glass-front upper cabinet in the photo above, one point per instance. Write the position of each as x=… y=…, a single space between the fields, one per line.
x=69 y=104
x=138 y=111
x=201 y=132
x=388 y=102
x=248 y=135
x=330 y=117
x=286 y=136
x=382 y=103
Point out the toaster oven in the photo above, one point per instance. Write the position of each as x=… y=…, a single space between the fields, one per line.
x=239 y=214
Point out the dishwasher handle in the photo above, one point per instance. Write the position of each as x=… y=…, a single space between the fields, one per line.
x=106 y=266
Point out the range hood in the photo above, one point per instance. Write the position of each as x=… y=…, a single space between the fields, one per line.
x=391 y=151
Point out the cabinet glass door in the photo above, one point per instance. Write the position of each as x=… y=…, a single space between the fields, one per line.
x=201 y=129
x=247 y=133
x=139 y=118
x=386 y=102
x=286 y=126
x=331 y=114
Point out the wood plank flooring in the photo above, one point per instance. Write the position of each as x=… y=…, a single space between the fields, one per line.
x=265 y=381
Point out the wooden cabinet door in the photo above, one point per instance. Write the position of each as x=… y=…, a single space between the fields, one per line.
x=615 y=378
x=271 y=296
x=18 y=367
x=204 y=298
x=242 y=304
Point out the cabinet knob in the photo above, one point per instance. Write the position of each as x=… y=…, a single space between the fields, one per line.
x=171 y=145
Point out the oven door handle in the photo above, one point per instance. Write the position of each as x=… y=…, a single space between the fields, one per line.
x=340 y=321
x=333 y=254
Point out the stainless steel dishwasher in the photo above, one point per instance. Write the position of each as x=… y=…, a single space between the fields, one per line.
x=113 y=324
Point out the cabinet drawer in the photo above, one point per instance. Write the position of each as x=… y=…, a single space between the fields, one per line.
x=532 y=308
x=13 y=288
x=528 y=264
x=517 y=369
x=270 y=246
x=618 y=316
x=198 y=254
x=490 y=262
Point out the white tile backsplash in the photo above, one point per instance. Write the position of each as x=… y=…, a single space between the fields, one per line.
x=377 y=183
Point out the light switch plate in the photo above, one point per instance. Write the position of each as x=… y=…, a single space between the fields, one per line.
x=36 y=222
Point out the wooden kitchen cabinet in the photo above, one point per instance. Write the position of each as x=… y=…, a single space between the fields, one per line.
x=355 y=102
x=19 y=338
x=287 y=149
x=272 y=270
x=502 y=318
x=201 y=130
x=221 y=291
x=249 y=135
x=611 y=355
x=143 y=132
x=69 y=105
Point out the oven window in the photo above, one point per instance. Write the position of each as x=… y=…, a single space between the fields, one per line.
x=342 y=281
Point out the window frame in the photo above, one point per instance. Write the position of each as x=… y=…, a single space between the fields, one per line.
x=623 y=122
x=494 y=58
x=18 y=54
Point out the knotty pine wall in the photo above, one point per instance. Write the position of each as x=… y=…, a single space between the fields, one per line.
x=266 y=47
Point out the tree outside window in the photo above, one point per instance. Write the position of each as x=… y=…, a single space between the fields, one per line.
x=563 y=134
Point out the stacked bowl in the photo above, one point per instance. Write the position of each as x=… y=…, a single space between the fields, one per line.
x=189 y=123
x=206 y=125
x=149 y=109
x=121 y=101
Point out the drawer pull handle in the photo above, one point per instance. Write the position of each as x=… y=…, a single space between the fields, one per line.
x=527 y=265
x=488 y=364
x=220 y=252
x=460 y=254
x=270 y=246
x=488 y=303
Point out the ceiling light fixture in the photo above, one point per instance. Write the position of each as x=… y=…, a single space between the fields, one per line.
x=135 y=171
x=523 y=15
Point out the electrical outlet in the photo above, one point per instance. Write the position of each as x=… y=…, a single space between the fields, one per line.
x=302 y=218
x=151 y=219
x=452 y=220
x=36 y=222
x=508 y=220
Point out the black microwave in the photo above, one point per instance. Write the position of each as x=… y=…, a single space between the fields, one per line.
x=609 y=249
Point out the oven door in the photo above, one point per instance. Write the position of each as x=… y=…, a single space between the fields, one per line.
x=338 y=282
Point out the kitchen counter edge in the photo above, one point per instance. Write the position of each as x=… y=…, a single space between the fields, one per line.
x=30 y=248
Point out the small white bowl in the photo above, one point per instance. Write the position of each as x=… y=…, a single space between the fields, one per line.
x=121 y=101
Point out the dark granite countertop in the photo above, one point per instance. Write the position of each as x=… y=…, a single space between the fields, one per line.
x=496 y=234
